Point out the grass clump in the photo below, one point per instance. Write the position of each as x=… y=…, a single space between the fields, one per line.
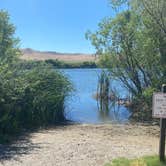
x=144 y=161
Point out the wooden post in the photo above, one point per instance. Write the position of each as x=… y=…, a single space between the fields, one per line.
x=162 y=132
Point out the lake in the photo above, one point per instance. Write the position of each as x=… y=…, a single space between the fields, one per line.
x=83 y=108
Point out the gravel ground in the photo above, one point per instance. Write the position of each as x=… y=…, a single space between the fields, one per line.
x=81 y=145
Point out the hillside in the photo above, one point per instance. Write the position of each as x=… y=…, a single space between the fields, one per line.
x=30 y=54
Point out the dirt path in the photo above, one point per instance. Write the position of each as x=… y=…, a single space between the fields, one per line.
x=81 y=145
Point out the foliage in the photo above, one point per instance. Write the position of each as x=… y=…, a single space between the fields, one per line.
x=132 y=46
x=8 y=43
x=32 y=94
x=69 y=65
x=31 y=98
x=145 y=161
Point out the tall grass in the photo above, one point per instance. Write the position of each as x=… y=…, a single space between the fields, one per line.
x=103 y=86
x=32 y=95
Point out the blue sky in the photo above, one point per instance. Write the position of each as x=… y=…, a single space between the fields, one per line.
x=56 y=25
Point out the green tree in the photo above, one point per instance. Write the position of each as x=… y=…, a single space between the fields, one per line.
x=132 y=46
x=153 y=15
x=128 y=51
x=8 y=43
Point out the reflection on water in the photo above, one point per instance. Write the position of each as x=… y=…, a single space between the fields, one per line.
x=110 y=111
x=103 y=107
x=82 y=107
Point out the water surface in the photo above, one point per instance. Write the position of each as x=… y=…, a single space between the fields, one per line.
x=83 y=108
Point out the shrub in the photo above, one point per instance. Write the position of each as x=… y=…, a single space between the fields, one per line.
x=31 y=96
x=142 y=106
x=61 y=64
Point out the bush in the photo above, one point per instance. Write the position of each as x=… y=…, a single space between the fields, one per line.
x=31 y=95
x=142 y=106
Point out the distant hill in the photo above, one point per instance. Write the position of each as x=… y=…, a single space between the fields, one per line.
x=30 y=54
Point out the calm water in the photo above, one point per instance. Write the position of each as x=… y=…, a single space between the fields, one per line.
x=83 y=108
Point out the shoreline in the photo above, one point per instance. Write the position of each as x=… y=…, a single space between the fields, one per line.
x=82 y=144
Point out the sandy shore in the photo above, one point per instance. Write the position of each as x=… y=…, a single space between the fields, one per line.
x=81 y=145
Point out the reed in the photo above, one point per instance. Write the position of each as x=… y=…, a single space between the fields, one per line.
x=103 y=86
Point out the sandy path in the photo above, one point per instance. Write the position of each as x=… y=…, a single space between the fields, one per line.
x=81 y=145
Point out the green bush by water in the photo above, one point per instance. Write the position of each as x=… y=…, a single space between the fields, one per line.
x=32 y=94
x=69 y=65
x=31 y=97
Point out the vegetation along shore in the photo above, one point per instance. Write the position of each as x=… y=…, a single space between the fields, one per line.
x=32 y=94
x=130 y=52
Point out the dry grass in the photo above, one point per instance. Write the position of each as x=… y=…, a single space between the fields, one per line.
x=29 y=54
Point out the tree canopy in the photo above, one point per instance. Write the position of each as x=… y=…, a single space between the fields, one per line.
x=8 y=43
x=133 y=45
